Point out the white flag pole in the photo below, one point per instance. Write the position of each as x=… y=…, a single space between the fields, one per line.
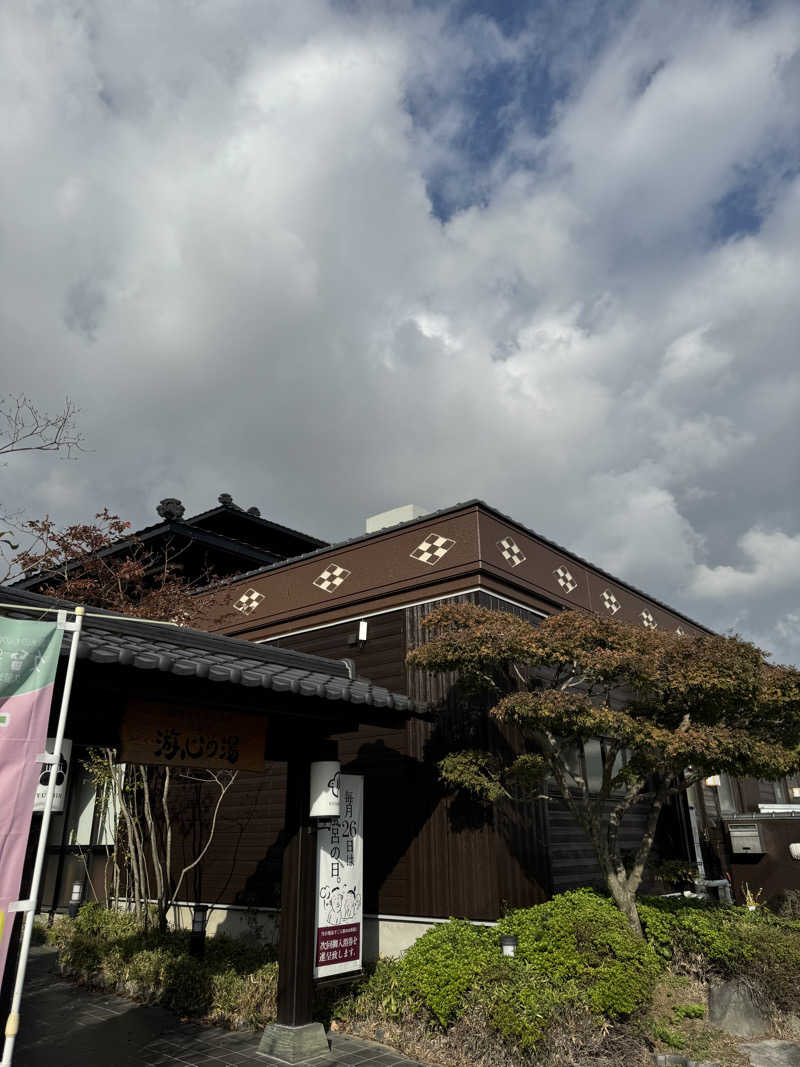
x=29 y=906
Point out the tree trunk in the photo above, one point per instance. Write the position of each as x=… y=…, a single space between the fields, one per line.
x=162 y=890
x=625 y=899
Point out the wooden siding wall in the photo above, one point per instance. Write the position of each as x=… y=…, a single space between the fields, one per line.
x=572 y=860
x=468 y=859
x=243 y=863
x=379 y=751
x=427 y=854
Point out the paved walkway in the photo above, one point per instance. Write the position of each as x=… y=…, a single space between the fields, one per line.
x=64 y=1025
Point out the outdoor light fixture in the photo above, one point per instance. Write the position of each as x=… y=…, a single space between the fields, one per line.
x=323 y=800
x=75 y=899
x=359 y=638
x=197 y=938
x=713 y=780
x=796 y=792
x=508 y=943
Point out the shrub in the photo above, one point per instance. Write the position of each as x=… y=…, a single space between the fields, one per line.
x=520 y=1005
x=574 y=954
x=581 y=944
x=787 y=904
x=250 y=998
x=93 y=920
x=697 y=931
x=187 y=989
x=236 y=981
x=39 y=933
x=727 y=942
x=80 y=955
x=669 y=1037
x=146 y=968
x=690 y=1011
x=380 y=994
x=443 y=964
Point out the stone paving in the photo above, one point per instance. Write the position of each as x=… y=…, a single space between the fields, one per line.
x=64 y=1025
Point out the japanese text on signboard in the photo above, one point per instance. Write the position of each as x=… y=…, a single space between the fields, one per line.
x=340 y=885
x=155 y=732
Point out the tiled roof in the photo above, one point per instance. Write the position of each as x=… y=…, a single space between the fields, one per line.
x=149 y=646
x=257 y=520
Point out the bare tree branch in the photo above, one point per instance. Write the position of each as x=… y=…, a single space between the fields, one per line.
x=24 y=427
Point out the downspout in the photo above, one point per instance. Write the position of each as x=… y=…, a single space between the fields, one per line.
x=698 y=851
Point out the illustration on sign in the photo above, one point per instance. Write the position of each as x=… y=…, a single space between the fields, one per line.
x=340 y=875
x=62 y=774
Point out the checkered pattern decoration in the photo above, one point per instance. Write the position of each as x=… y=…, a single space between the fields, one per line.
x=332 y=577
x=432 y=549
x=510 y=551
x=248 y=601
x=565 y=579
x=648 y=621
x=610 y=602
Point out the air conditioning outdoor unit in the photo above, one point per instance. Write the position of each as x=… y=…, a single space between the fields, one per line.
x=746 y=838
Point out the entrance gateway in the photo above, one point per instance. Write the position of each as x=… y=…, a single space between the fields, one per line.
x=134 y=678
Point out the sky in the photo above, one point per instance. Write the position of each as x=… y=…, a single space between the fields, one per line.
x=335 y=257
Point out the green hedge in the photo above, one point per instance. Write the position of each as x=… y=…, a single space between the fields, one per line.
x=576 y=951
x=235 y=983
x=728 y=942
x=576 y=956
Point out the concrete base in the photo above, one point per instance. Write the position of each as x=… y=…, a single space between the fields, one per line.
x=294 y=1044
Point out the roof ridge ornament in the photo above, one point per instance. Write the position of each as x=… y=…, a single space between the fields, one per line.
x=170 y=508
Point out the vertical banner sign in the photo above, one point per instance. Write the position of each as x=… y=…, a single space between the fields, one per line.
x=340 y=884
x=28 y=660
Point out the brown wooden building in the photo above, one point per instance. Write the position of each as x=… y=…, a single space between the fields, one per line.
x=429 y=855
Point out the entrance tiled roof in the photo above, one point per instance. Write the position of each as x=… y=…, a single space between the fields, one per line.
x=151 y=646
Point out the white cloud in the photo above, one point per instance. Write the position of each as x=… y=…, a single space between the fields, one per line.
x=772 y=563
x=218 y=235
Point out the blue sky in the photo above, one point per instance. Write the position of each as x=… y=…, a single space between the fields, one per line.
x=333 y=257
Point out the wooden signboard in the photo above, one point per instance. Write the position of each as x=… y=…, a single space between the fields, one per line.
x=181 y=736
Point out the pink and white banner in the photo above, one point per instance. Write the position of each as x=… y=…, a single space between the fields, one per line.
x=28 y=661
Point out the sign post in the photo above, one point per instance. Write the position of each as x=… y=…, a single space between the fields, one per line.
x=24 y=712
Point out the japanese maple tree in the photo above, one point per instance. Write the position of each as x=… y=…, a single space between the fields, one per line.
x=668 y=710
x=101 y=564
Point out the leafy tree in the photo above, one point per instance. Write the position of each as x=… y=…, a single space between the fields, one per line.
x=99 y=563
x=668 y=710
